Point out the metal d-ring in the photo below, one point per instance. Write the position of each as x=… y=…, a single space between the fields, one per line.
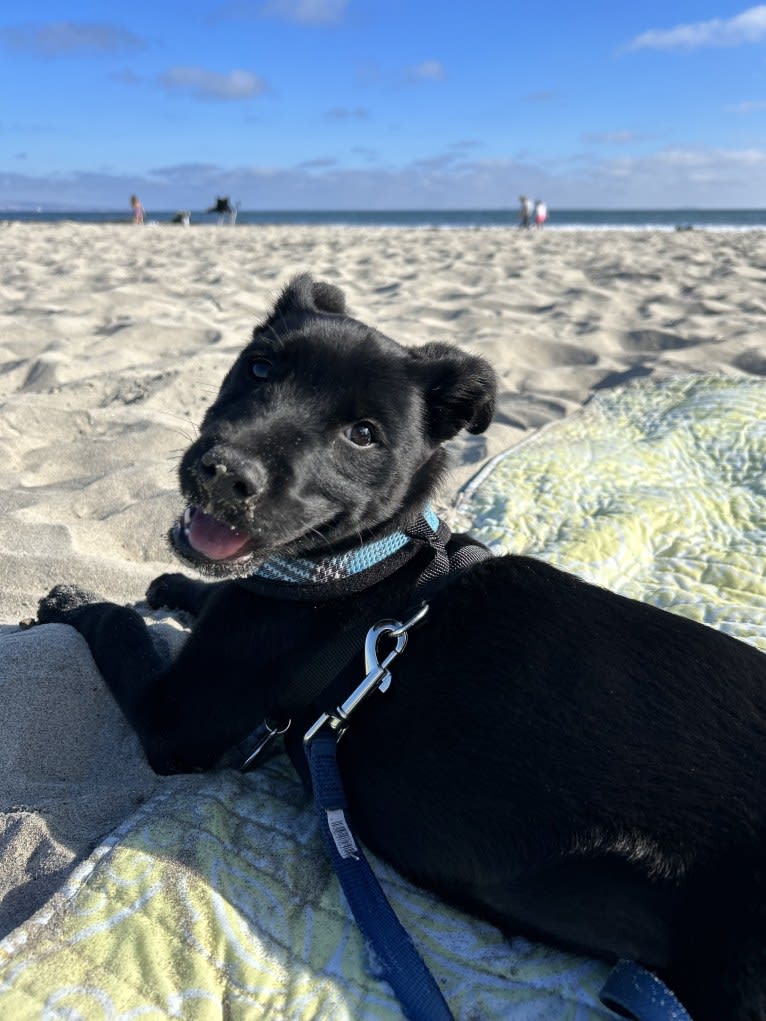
x=265 y=741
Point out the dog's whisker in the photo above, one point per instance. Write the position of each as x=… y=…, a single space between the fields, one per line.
x=186 y=421
x=273 y=333
x=182 y=418
x=324 y=539
x=186 y=436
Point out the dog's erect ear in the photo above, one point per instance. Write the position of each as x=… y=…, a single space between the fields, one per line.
x=304 y=294
x=459 y=388
x=328 y=297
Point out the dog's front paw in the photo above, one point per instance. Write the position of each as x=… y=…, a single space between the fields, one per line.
x=168 y=590
x=56 y=607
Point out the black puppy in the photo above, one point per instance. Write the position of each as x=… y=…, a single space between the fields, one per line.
x=559 y=760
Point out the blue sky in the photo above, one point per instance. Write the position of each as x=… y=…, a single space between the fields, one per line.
x=375 y=104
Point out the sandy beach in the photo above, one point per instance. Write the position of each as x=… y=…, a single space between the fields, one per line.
x=113 y=340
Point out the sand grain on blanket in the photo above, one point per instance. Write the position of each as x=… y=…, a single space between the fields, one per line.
x=113 y=340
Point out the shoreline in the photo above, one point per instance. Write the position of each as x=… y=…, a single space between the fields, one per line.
x=506 y=218
x=549 y=227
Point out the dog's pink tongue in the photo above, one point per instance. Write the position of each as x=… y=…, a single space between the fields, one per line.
x=214 y=539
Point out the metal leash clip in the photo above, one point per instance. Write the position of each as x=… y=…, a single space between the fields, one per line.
x=378 y=676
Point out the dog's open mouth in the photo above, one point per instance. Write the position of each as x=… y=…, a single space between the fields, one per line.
x=211 y=538
x=217 y=548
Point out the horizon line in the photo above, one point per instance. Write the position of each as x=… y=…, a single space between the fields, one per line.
x=24 y=207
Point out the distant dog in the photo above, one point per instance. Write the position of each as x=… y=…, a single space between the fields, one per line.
x=559 y=760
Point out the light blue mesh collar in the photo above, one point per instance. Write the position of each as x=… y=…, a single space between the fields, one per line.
x=320 y=570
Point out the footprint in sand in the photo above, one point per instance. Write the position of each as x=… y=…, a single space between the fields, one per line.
x=114 y=326
x=526 y=411
x=620 y=378
x=43 y=373
x=655 y=340
x=751 y=361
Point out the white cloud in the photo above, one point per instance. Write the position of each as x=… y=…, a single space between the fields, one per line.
x=233 y=85
x=61 y=38
x=541 y=96
x=608 y=137
x=747 y=106
x=343 y=113
x=307 y=12
x=669 y=178
x=678 y=177
x=747 y=27
x=366 y=153
x=427 y=71
x=319 y=163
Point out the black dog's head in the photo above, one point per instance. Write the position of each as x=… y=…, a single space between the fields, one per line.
x=324 y=432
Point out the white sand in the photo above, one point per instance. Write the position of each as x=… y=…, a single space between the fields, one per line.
x=113 y=339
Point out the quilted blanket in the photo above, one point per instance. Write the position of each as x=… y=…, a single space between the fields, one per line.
x=214 y=899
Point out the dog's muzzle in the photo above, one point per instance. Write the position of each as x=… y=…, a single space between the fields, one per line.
x=228 y=478
x=222 y=487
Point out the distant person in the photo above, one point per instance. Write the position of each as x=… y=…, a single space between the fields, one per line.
x=525 y=211
x=138 y=209
x=541 y=213
x=224 y=210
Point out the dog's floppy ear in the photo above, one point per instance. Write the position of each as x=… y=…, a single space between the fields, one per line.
x=304 y=294
x=459 y=388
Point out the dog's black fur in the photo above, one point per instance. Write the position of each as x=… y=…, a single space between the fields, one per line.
x=557 y=759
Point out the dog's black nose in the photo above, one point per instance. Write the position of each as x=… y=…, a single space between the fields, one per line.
x=230 y=477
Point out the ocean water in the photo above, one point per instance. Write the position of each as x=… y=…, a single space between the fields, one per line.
x=618 y=219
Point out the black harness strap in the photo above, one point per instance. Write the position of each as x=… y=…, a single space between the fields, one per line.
x=312 y=677
x=316 y=674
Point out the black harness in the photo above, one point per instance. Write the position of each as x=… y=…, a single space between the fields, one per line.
x=323 y=676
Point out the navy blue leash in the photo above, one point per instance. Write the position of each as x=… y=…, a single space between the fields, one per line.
x=633 y=992
x=403 y=967
x=630 y=991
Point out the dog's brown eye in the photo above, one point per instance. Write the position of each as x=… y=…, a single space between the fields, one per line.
x=361 y=434
x=260 y=369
